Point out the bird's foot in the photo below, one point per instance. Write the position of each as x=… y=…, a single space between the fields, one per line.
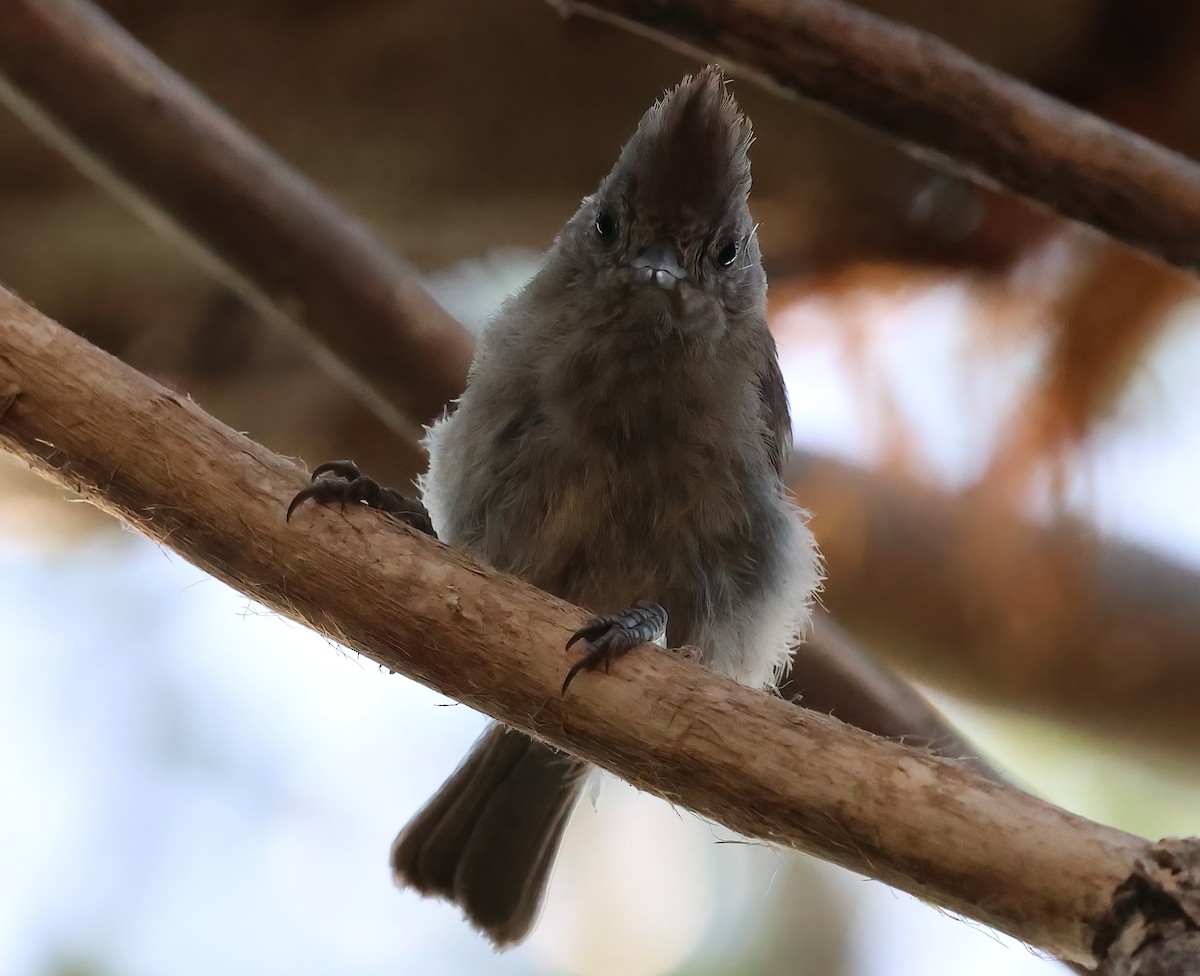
x=342 y=482
x=610 y=635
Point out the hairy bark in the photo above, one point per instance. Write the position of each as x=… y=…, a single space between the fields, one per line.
x=759 y=765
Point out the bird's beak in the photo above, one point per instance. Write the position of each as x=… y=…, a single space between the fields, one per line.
x=659 y=265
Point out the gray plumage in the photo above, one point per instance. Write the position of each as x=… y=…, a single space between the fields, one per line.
x=621 y=438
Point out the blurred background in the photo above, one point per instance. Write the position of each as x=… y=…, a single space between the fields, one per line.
x=998 y=435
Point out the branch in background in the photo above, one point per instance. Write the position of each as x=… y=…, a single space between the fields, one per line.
x=1043 y=618
x=286 y=246
x=932 y=97
x=831 y=674
x=758 y=765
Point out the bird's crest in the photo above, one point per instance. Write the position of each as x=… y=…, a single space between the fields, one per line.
x=689 y=154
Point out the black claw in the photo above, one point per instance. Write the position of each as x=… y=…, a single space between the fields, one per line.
x=346 y=470
x=342 y=482
x=589 y=633
x=300 y=496
x=612 y=634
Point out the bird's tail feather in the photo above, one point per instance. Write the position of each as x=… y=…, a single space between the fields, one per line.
x=487 y=838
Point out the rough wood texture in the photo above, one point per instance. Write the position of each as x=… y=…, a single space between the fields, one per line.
x=934 y=98
x=282 y=243
x=1154 y=926
x=832 y=674
x=755 y=763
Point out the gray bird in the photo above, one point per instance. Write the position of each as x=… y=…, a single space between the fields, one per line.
x=619 y=444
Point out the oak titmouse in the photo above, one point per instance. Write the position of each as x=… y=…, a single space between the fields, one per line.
x=620 y=444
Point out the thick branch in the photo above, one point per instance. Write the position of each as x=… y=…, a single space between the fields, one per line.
x=932 y=97
x=285 y=245
x=320 y=266
x=833 y=675
x=349 y=290
x=753 y=762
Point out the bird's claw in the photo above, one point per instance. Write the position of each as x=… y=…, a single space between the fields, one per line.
x=342 y=482
x=610 y=635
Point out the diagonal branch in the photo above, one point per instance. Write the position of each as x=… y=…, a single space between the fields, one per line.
x=748 y=760
x=1044 y=618
x=932 y=97
x=295 y=250
x=344 y=286
x=832 y=674
x=134 y=124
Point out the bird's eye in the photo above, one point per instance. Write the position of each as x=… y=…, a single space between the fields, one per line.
x=728 y=254
x=606 y=226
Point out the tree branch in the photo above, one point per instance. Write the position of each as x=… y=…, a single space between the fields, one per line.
x=1045 y=618
x=833 y=675
x=758 y=765
x=317 y=264
x=953 y=623
x=75 y=76
x=933 y=98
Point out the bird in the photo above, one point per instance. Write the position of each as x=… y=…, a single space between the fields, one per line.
x=621 y=444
